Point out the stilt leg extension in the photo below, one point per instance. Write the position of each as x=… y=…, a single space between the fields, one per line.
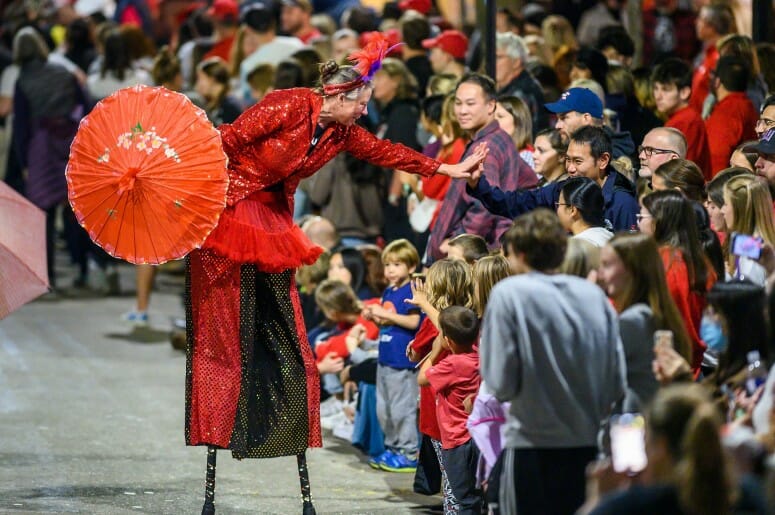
x=306 y=497
x=209 y=505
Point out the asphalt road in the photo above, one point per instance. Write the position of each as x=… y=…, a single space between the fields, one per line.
x=91 y=421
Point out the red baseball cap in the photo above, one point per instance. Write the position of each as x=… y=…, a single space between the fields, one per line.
x=223 y=9
x=421 y=6
x=452 y=42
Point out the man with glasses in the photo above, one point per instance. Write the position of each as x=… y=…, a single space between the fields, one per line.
x=588 y=155
x=659 y=146
x=766 y=119
x=765 y=164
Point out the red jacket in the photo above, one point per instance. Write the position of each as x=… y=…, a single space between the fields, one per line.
x=731 y=122
x=269 y=153
x=422 y=345
x=690 y=123
x=690 y=303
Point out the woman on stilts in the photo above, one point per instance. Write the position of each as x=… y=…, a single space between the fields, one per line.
x=251 y=382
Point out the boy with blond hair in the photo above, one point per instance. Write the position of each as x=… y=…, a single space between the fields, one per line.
x=397 y=388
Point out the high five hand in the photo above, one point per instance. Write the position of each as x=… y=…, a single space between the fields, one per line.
x=464 y=169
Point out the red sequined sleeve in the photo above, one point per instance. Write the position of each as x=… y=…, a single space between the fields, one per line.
x=367 y=147
x=260 y=120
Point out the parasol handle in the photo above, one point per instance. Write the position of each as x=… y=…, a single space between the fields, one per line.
x=127 y=181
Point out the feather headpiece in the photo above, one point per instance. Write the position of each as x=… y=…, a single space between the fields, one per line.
x=368 y=60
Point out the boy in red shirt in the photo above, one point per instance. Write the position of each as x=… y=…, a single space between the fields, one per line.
x=672 y=87
x=455 y=378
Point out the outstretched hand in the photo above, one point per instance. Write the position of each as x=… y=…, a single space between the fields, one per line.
x=468 y=166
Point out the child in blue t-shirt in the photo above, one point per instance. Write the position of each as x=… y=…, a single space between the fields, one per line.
x=397 y=388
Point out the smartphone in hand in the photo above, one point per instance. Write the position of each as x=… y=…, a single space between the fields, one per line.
x=746 y=246
x=628 y=443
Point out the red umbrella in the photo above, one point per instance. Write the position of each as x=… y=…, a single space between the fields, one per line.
x=23 y=272
x=147 y=175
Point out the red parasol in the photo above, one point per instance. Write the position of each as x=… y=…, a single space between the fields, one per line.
x=23 y=272
x=147 y=175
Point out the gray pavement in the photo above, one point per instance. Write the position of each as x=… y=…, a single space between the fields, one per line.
x=91 y=421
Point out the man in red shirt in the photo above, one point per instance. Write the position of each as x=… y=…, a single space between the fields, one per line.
x=672 y=86
x=734 y=117
x=714 y=21
x=296 y=22
x=225 y=16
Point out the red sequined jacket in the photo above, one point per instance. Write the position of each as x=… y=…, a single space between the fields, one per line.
x=268 y=155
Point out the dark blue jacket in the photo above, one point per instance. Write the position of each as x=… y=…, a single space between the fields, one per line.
x=621 y=204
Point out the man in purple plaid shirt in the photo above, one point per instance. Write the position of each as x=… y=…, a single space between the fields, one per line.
x=460 y=213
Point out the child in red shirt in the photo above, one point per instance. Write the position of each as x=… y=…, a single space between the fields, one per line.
x=447 y=283
x=455 y=378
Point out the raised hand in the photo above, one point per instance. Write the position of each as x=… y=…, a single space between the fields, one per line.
x=469 y=165
x=419 y=298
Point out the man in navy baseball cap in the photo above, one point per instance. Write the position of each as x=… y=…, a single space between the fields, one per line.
x=581 y=107
x=576 y=108
x=765 y=164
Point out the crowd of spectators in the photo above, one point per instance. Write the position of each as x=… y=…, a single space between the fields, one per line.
x=612 y=259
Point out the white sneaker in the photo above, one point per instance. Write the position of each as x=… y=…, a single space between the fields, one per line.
x=330 y=406
x=331 y=421
x=344 y=431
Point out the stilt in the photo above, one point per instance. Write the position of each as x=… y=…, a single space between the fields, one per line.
x=209 y=505
x=306 y=497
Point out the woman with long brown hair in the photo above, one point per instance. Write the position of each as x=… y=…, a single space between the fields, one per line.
x=747 y=210
x=668 y=216
x=632 y=275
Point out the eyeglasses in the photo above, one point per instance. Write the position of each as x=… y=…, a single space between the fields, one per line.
x=764 y=124
x=640 y=216
x=650 y=151
x=558 y=204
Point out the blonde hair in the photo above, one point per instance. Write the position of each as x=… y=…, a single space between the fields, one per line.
x=487 y=272
x=442 y=84
x=558 y=33
x=335 y=296
x=396 y=69
x=581 y=257
x=751 y=204
x=448 y=282
x=401 y=250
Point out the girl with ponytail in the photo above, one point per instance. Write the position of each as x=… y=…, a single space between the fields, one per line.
x=687 y=471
